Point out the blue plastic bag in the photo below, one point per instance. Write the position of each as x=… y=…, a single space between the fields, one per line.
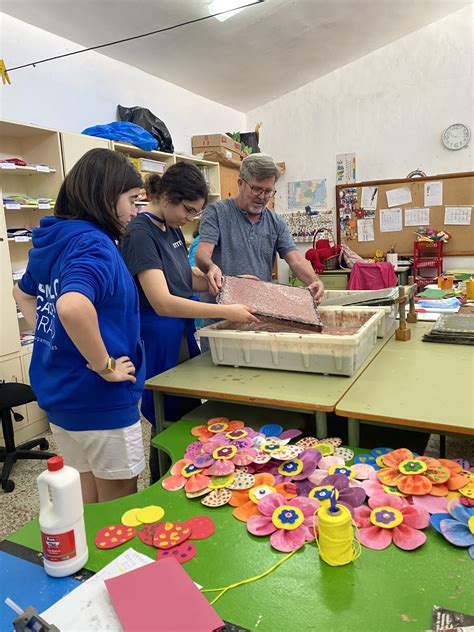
x=125 y=132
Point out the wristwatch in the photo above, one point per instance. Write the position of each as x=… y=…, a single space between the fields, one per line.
x=109 y=367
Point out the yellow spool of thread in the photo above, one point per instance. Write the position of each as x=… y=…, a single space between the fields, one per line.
x=336 y=542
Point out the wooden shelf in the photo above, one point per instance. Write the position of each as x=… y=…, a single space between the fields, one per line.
x=23 y=171
x=28 y=207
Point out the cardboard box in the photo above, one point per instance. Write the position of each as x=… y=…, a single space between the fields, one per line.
x=213 y=141
x=218 y=154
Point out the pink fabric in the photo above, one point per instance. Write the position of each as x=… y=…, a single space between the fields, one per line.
x=372 y=276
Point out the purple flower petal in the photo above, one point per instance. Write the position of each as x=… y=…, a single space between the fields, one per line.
x=339 y=481
x=310 y=458
x=304 y=487
x=353 y=496
x=456 y=533
x=290 y=434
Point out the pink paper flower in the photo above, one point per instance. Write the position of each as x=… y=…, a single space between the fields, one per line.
x=389 y=519
x=185 y=474
x=219 y=459
x=290 y=522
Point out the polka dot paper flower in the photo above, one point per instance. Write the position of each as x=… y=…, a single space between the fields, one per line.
x=185 y=474
x=215 y=426
x=432 y=504
x=457 y=526
x=420 y=475
x=288 y=522
x=389 y=519
x=246 y=501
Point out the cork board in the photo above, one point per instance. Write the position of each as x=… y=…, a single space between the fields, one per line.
x=458 y=190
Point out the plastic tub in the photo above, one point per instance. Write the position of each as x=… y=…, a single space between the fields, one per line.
x=309 y=353
x=386 y=326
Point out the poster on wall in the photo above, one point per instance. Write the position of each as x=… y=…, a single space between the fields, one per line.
x=345 y=168
x=307 y=193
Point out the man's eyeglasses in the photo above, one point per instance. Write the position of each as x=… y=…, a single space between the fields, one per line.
x=269 y=193
x=192 y=212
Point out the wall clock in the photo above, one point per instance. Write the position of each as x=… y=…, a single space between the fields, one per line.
x=456 y=136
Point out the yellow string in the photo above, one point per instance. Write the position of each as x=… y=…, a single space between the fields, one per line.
x=336 y=544
x=246 y=581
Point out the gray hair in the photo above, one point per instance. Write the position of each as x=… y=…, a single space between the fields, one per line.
x=258 y=166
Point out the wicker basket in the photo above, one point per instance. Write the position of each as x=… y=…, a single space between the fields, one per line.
x=331 y=263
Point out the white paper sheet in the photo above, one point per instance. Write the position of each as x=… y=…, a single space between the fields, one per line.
x=460 y=215
x=417 y=217
x=395 y=197
x=390 y=220
x=365 y=230
x=88 y=607
x=433 y=193
x=369 y=198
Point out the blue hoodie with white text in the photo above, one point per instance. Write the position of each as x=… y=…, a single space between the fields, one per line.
x=79 y=256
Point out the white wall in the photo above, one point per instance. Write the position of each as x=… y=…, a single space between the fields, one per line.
x=77 y=92
x=389 y=107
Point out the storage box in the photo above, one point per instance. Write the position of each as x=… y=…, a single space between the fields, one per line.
x=145 y=164
x=218 y=154
x=212 y=141
x=309 y=353
x=386 y=325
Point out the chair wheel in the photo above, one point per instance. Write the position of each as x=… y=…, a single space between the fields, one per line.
x=44 y=445
x=8 y=486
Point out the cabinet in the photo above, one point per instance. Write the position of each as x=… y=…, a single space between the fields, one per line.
x=74 y=146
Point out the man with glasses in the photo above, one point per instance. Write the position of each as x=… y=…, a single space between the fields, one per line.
x=241 y=236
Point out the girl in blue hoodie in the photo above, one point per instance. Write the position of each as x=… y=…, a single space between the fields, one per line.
x=87 y=368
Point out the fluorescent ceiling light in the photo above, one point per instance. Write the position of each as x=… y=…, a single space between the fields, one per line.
x=217 y=6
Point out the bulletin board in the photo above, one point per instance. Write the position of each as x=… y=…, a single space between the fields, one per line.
x=457 y=191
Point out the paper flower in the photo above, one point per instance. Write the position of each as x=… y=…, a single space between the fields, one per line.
x=243 y=437
x=389 y=519
x=220 y=459
x=420 y=475
x=296 y=469
x=457 y=526
x=373 y=457
x=246 y=501
x=432 y=504
x=185 y=474
x=215 y=426
x=329 y=465
x=290 y=522
x=346 y=495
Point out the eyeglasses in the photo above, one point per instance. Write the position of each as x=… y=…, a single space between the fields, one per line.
x=269 y=193
x=192 y=212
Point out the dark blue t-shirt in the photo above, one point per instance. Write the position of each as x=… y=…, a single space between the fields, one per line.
x=147 y=247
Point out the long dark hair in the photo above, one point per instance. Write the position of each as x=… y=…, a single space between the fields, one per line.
x=182 y=181
x=91 y=189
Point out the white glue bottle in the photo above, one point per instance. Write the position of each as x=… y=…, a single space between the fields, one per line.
x=61 y=519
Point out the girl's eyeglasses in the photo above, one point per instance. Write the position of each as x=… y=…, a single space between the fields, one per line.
x=192 y=212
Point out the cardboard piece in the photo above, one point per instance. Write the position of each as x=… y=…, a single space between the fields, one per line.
x=182 y=552
x=114 y=535
x=166 y=588
x=215 y=140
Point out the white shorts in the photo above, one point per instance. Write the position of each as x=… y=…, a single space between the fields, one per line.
x=112 y=454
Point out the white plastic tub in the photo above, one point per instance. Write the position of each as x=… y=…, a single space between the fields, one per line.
x=310 y=353
x=386 y=325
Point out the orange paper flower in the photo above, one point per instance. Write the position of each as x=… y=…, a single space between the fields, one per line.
x=215 y=426
x=420 y=475
x=246 y=500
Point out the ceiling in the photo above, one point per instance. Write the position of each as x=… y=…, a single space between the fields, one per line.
x=257 y=55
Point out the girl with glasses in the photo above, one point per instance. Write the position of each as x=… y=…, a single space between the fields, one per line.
x=155 y=252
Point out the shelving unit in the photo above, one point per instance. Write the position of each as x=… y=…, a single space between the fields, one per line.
x=211 y=172
x=428 y=258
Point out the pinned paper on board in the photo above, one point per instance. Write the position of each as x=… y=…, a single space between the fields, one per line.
x=369 y=198
x=365 y=230
x=345 y=168
x=396 y=197
x=458 y=215
x=433 y=193
x=390 y=220
x=417 y=217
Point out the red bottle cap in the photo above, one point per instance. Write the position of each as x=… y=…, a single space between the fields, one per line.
x=55 y=463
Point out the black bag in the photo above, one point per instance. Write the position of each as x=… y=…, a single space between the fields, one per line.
x=146 y=119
